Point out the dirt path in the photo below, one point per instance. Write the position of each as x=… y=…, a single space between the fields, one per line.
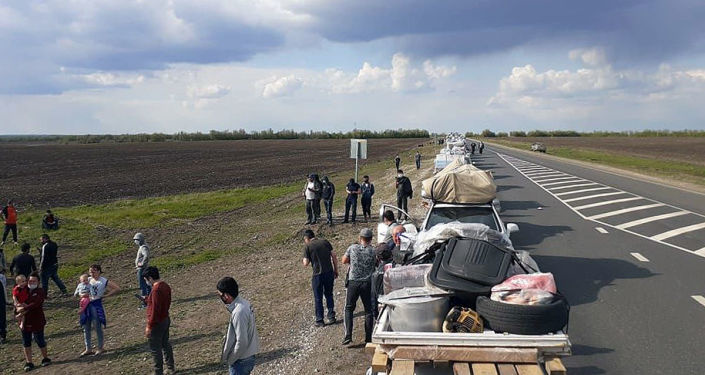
x=261 y=247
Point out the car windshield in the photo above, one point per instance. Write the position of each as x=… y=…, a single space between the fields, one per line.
x=481 y=215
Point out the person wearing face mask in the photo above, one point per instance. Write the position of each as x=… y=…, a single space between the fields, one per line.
x=404 y=191
x=328 y=193
x=34 y=322
x=49 y=264
x=158 y=322
x=141 y=263
x=368 y=190
x=241 y=340
x=353 y=189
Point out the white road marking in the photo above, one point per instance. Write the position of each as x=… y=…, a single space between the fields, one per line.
x=700 y=252
x=572 y=186
x=639 y=257
x=625 y=210
x=678 y=231
x=566 y=177
x=598 y=204
x=583 y=190
x=699 y=299
x=650 y=219
x=561 y=182
x=601 y=230
x=536 y=169
x=543 y=173
x=594 y=196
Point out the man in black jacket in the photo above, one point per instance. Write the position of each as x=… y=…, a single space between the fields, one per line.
x=404 y=191
x=328 y=193
x=49 y=264
x=23 y=263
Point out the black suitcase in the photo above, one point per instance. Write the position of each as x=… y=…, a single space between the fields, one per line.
x=469 y=267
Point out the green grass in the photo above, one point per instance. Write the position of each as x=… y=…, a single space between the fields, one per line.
x=651 y=166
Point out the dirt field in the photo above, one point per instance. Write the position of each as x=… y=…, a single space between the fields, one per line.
x=261 y=246
x=61 y=175
x=687 y=149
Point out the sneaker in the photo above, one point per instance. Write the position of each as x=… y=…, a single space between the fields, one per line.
x=2 y=243
x=331 y=320
x=86 y=352
x=99 y=352
x=170 y=371
x=347 y=340
x=319 y=323
x=307 y=223
x=29 y=366
x=46 y=362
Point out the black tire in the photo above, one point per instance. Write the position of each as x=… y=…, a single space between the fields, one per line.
x=524 y=319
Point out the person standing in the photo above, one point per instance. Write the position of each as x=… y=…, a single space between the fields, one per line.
x=3 y=297
x=472 y=148
x=482 y=146
x=397 y=161
x=361 y=258
x=23 y=263
x=317 y=187
x=328 y=193
x=141 y=264
x=404 y=191
x=353 y=189
x=368 y=190
x=241 y=341
x=34 y=322
x=310 y=195
x=49 y=264
x=320 y=255
x=95 y=313
x=417 y=158
x=158 y=322
x=9 y=214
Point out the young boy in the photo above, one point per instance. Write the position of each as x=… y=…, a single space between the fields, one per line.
x=20 y=294
x=83 y=290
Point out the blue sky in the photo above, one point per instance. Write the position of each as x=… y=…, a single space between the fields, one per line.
x=127 y=66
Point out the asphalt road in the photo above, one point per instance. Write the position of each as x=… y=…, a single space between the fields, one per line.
x=631 y=313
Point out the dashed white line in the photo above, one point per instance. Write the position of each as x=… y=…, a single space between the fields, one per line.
x=543 y=174
x=639 y=257
x=583 y=190
x=562 y=182
x=566 y=177
x=601 y=230
x=650 y=219
x=678 y=231
x=598 y=204
x=699 y=299
x=593 y=196
x=625 y=210
x=572 y=186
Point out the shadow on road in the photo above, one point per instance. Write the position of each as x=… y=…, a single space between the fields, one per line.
x=530 y=235
x=507 y=187
x=519 y=205
x=583 y=278
x=585 y=370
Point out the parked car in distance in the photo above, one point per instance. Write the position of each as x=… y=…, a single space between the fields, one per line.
x=540 y=147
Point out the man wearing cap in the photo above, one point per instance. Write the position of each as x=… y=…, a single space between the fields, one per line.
x=141 y=264
x=362 y=258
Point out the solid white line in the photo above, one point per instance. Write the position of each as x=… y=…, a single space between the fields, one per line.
x=598 y=204
x=650 y=219
x=679 y=231
x=567 y=177
x=625 y=210
x=601 y=230
x=699 y=299
x=583 y=190
x=572 y=186
x=594 y=196
x=639 y=257
x=563 y=182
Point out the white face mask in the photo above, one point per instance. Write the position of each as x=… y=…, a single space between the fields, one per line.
x=137 y=242
x=400 y=175
x=32 y=286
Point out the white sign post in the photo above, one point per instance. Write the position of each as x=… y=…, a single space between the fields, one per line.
x=358 y=150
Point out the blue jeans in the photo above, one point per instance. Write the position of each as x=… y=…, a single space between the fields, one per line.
x=323 y=286
x=243 y=366
x=98 y=329
x=144 y=287
x=51 y=272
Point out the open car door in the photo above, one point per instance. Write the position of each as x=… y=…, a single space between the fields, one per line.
x=408 y=222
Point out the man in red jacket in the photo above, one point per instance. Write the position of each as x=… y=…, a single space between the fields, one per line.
x=9 y=213
x=157 y=331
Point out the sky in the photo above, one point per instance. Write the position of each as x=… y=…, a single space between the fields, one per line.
x=132 y=66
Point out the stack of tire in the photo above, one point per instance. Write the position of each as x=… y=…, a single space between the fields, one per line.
x=524 y=319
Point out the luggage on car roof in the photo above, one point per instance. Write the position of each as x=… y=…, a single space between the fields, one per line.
x=460 y=184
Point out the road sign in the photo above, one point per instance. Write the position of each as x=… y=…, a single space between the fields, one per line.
x=358 y=150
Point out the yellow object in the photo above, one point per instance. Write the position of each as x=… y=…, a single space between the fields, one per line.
x=463 y=320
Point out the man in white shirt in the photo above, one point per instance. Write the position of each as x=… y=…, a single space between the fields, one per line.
x=241 y=341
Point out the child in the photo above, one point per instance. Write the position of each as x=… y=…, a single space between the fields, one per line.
x=83 y=290
x=20 y=294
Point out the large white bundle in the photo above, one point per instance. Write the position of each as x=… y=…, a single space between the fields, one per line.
x=460 y=184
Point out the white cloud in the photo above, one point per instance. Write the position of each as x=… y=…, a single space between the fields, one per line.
x=437 y=72
x=213 y=91
x=281 y=86
x=111 y=79
x=591 y=56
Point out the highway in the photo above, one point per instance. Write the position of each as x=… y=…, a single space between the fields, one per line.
x=628 y=254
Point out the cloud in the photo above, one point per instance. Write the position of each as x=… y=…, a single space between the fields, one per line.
x=213 y=91
x=112 y=79
x=589 y=56
x=281 y=86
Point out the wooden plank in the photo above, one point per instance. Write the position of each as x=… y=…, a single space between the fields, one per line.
x=379 y=362
x=461 y=368
x=370 y=348
x=554 y=366
x=529 y=370
x=465 y=354
x=506 y=369
x=402 y=367
x=484 y=369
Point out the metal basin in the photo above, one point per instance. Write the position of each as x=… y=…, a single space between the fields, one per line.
x=418 y=314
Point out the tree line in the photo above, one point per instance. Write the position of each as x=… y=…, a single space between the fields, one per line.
x=572 y=133
x=216 y=135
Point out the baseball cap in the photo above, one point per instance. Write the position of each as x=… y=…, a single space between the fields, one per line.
x=366 y=233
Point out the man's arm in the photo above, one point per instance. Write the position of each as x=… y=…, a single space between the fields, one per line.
x=111 y=288
x=372 y=189
x=334 y=259
x=240 y=325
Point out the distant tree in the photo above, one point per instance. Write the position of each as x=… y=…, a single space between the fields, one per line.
x=488 y=133
x=502 y=134
x=519 y=133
